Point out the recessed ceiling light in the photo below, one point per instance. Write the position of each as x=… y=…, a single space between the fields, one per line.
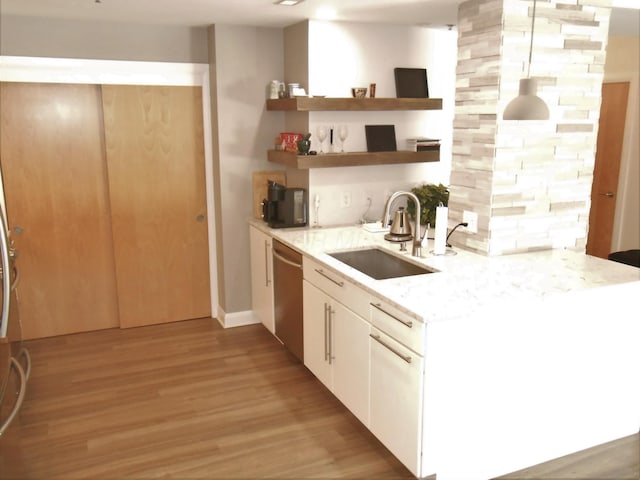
x=326 y=13
x=288 y=3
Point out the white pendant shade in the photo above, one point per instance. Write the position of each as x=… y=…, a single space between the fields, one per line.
x=527 y=105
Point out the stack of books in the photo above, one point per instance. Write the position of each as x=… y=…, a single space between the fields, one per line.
x=421 y=144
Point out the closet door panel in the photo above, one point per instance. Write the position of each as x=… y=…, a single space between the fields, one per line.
x=54 y=174
x=155 y=157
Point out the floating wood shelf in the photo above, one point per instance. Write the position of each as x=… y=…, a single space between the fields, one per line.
x=307 y=104
x=351 y=159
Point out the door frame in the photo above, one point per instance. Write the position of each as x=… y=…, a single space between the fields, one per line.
x=115 y=72
x=626 y=224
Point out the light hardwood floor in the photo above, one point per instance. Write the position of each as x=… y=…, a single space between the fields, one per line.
x=191 y=400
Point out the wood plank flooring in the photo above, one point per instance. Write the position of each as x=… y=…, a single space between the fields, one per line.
x=190 y=400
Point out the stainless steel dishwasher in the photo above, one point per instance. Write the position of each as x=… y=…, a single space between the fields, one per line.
x=287 y=295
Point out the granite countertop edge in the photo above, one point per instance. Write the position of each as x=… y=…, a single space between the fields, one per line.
x=467 y=282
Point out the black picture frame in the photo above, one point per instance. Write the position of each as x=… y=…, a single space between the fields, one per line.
x=411 y=82
x=381 y=138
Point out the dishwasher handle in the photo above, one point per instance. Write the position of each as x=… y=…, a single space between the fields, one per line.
x=286 y=260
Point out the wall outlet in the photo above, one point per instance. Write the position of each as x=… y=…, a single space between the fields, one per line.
x=472 y=219
x=345 y=199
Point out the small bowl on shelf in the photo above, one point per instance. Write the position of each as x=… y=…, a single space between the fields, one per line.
x=359 y=92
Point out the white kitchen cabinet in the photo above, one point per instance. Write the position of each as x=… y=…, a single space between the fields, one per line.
x=368 y=353
x=336 y=349
x=262 y=277
x=350 y=342
x=396 y=390
x=315 y=315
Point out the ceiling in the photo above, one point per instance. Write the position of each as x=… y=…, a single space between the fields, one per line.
x=434 y=13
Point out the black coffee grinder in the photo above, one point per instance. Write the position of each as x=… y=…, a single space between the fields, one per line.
x=284 y=207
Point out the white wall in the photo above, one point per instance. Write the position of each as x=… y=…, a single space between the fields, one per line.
x=346 y=54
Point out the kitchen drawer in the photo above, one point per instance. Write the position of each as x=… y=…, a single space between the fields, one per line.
x=336 y=286
x=395 y=401
x=407 y=329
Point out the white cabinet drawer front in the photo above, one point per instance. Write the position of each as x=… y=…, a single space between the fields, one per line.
x=405 y=328
x=330 y=282
x=396 y=398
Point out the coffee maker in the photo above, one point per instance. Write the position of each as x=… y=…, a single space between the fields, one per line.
x=284 y=207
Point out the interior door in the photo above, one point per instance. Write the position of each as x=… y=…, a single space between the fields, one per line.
x=53 y=169
x=606 y=173
x=155 y=159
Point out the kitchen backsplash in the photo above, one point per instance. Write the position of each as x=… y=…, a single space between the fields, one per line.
x=344 y=193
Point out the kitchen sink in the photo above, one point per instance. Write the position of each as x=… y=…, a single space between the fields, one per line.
x=379 y=264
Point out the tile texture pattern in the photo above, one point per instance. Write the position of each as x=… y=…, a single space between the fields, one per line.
x=529 y=181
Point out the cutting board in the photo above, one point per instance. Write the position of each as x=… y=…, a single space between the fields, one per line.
x=260 y=179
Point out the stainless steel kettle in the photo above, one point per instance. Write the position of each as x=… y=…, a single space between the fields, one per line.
x=401 y=224
x=400 y=230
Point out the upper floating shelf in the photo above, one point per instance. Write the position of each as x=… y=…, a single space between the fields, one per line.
x=351 y=159
x=308 y=104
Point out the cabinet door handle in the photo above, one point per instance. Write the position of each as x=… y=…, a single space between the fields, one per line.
x=326 y=328
x=321 y=272
x=330 y=335
x=6 y=281
x=407 y=323
x=377 y=338
x=266 y=263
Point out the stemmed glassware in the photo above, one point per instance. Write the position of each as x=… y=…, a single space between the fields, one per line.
x=322 y=136
x=343 y=132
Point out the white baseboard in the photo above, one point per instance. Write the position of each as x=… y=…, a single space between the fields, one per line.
x=236 y=319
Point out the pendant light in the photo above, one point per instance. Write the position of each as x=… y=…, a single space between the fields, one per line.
x=527 y=105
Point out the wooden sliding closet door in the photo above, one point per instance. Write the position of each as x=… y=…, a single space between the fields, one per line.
x=54 y=173
x=155 y=158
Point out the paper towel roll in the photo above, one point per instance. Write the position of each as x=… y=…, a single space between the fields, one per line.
x=440 y=238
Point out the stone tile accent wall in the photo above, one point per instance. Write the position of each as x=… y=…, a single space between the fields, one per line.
x=529 y=181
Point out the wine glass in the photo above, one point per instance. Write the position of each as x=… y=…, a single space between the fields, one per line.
x=322 y=136
x=343 y=132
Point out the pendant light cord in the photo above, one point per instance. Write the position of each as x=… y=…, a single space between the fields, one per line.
x=533 y=21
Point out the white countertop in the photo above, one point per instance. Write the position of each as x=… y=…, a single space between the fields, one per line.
x=465 y=282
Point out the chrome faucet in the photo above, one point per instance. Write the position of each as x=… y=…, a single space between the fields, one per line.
x=416 y=251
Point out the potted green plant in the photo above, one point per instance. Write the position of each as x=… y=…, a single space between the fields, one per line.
x=430 y=196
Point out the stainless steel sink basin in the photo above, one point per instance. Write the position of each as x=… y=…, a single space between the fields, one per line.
x=378 y=264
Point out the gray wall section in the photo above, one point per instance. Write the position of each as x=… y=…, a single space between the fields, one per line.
x=246 y=60
x=58 y=38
